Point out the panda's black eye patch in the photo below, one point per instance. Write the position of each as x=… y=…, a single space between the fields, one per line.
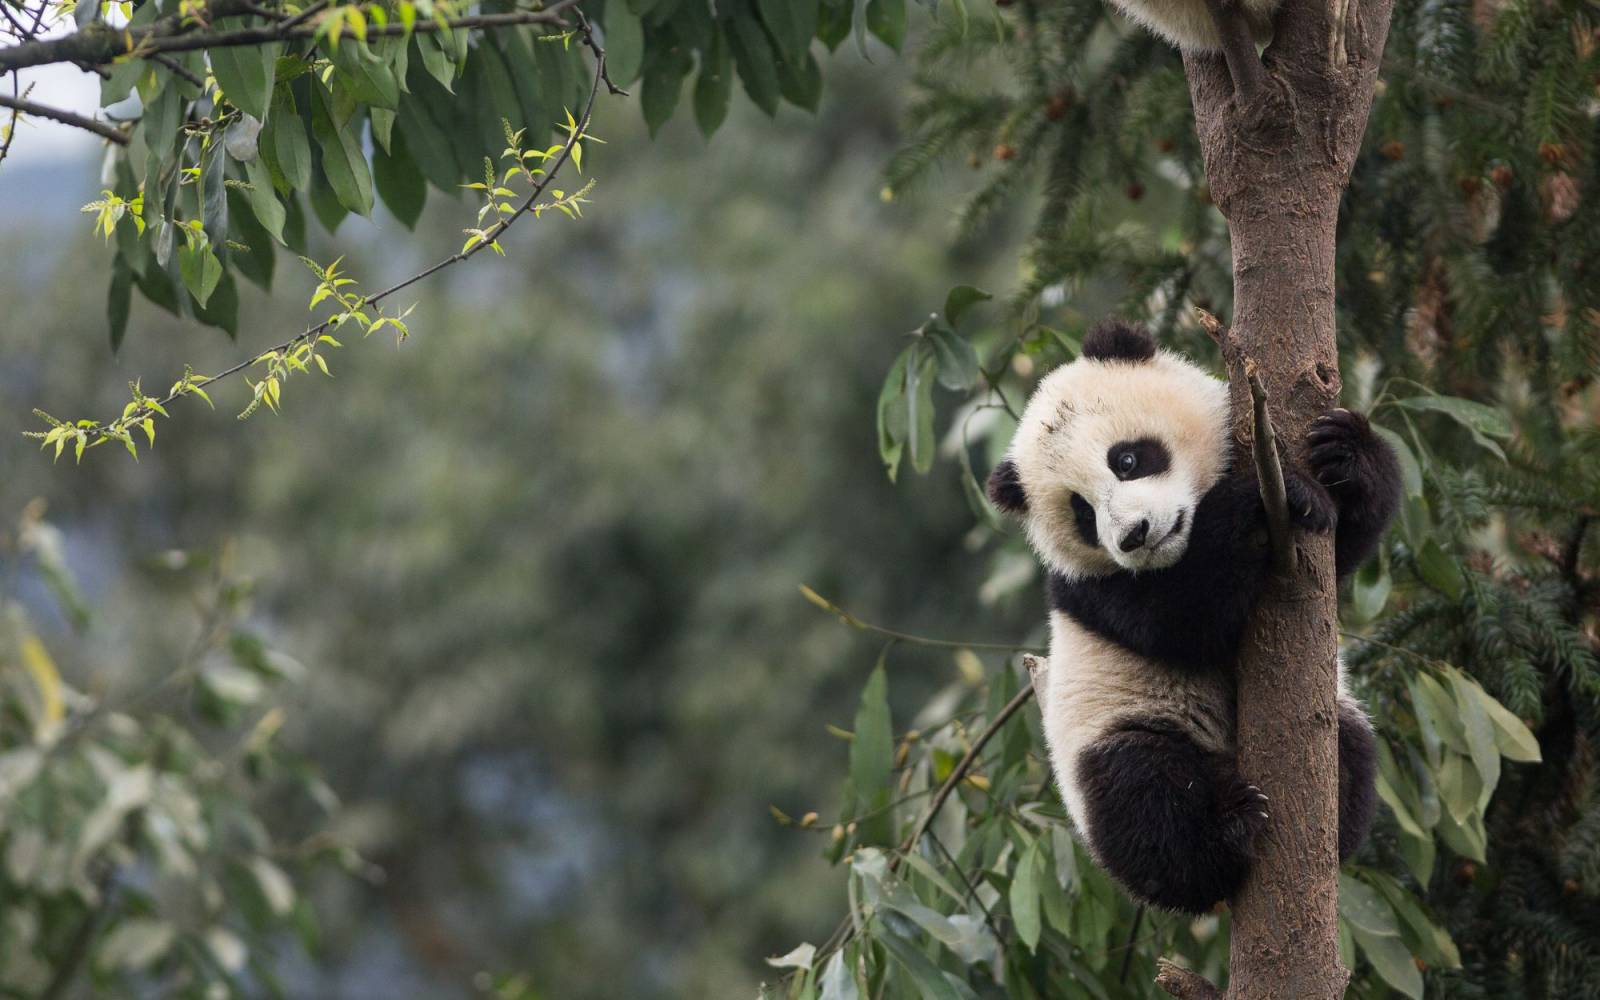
x=1138 y=459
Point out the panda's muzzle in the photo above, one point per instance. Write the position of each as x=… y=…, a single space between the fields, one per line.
x=1134 y=537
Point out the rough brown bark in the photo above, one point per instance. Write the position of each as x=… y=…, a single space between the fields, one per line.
x=1276 y=164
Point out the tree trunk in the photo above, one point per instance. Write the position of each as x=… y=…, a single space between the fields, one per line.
x=1277 y=162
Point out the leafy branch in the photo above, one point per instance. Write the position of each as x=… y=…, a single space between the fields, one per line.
x=301 y=350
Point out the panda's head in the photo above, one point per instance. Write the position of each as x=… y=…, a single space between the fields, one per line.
x=1113 y=454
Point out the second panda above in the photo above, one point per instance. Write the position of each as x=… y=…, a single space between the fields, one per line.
x=1121 y=474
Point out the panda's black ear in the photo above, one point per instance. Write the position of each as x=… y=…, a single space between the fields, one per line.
x=1118 y=340
x=1005 y=488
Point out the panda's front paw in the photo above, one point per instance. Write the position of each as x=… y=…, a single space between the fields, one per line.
x=1339 y=448
x=1310 y=506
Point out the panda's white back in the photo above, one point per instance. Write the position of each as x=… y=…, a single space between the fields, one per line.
x=1091 y=685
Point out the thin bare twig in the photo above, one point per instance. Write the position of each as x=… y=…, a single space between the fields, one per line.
x=1269 y=468
x=917 y=640
x=1269 y=475
x=25 y=107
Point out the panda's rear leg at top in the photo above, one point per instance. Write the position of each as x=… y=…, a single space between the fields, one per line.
x=1177 y=824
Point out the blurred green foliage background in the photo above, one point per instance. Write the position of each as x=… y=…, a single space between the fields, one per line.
x=541 y=561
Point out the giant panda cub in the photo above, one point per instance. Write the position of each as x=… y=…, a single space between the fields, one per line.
x=1156 y=551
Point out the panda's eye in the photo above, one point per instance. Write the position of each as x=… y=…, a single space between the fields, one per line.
x=1138 y=459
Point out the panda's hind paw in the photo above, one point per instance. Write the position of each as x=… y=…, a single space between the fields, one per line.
x=1243 y=813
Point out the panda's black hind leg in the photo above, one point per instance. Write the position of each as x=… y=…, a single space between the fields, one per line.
x=1172 y=822
x=1358 y=791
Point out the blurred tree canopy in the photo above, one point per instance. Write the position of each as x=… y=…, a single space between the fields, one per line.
x=542 y=564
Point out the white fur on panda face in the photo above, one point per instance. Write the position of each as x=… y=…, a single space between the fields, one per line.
x=1064 y=447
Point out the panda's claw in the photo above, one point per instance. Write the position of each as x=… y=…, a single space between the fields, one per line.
x=1310 y=506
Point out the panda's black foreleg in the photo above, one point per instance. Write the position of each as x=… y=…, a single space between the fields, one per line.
x=1360 y=471
x=1172 y=822
x=1358 y=792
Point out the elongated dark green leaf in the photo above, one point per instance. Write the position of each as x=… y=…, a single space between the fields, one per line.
x=714 y=86
x=245 y=73
x=1391 y=959
x=257 y=260
x=496 y=97
x=400 y=183
x=1024 y=895
x=118 y=301
x=343 y=162
x=919 y=407
x=872 y=756
x=892 y=426
x=214 y=199
x=792 y=23
x=538 y=110
x=284 y=134
x=800 y=82
x=222 y=308
x=930 y=982
x=1440 y=570
x=1485 y=423
x=624 y=38
x=887 y=20
x=755 y=60
x=664 y=71
x=366 y=77
x=324 y=203
x=440 y=64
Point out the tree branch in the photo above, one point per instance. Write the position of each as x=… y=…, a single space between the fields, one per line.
x=1184 y=984
x=98 y=43
x=965 y=764
x=72 y=118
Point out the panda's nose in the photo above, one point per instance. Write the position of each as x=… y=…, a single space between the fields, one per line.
x=1134 y=538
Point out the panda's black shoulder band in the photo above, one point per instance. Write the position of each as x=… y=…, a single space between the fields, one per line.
x=1118 y=340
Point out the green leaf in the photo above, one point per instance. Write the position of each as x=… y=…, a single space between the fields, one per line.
x=118 y=300
x=1365 y=908
x=1440 y=570
x=714 y=86
x=284 y=135
x=887 y=20
x=931 y=984
x=200 y=270
x=1391 y=959
x=1485 y=423
x=222 y=309
x=439 y=63
x=382 y=122
x=1427 y=940
x=1025 y=895
x=135 y=943
x=624 y=42
x=756 y=62
x=958 y=362
x=664 y=70
x=366 y=77
x=792 y=23
x=343 y=162
x=872 y=755
x=1369 y=591
x=255 y=259
x=892 y=426
x=399 y=182
x=245 y=73
x=1515 y=740
x=960 y=299
x=214 y=203
x=919 y=409
x=263 y=200
x=1479 y=733
x=800 y=83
